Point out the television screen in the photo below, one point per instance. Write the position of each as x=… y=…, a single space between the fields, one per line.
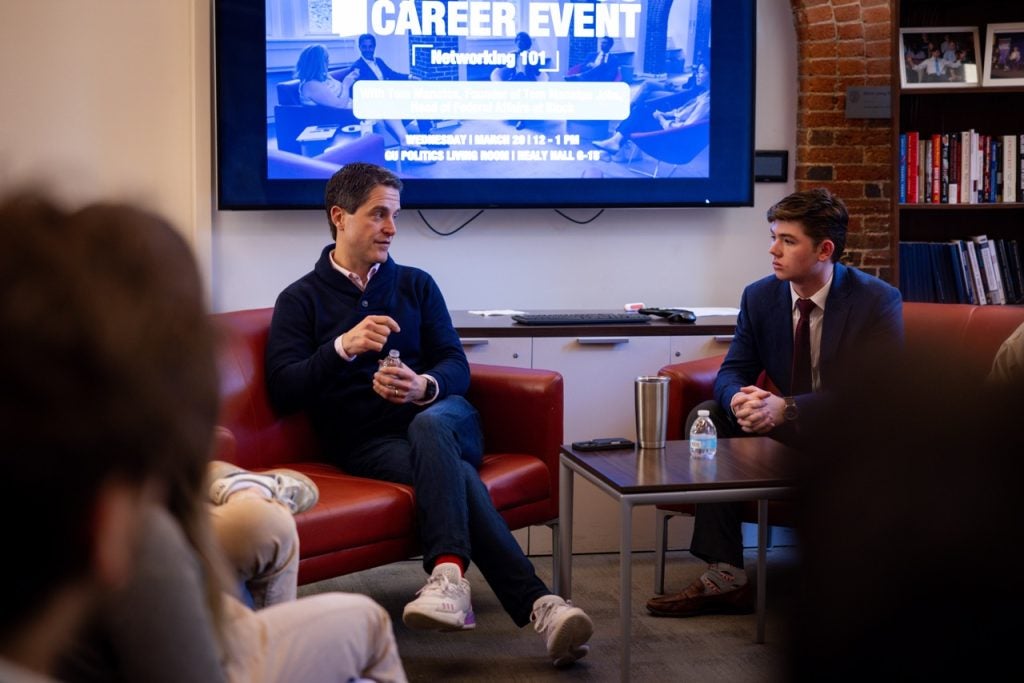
x=487 y=103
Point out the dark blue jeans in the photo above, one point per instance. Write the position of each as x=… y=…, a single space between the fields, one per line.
x=439 y=458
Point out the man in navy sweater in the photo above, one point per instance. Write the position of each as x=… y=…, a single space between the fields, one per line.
x=407 y=423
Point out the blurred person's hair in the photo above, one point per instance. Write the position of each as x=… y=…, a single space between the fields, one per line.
x=107 y=373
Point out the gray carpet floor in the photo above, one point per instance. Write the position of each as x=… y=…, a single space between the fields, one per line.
x=709 y=648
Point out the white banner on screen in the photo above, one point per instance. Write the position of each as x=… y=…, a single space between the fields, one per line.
x=490 y=100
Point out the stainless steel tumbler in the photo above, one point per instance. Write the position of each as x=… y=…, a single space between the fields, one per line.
x=651 y=394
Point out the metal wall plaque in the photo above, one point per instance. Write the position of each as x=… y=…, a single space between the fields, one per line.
x=868 y=102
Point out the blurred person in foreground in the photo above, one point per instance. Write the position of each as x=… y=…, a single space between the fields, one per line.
x=108 y=357
x=80 y=398
x=910 y=527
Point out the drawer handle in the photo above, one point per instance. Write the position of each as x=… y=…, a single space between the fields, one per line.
x=602 y=340
x=723 y=338
x=475 y=341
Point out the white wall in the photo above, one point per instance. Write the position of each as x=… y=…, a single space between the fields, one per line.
x=112 y=98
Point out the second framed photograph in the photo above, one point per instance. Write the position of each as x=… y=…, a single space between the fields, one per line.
x=939 y=57
x=1004 y=44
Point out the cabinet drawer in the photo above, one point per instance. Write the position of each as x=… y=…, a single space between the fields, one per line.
x=510 y=351
x=691 y=348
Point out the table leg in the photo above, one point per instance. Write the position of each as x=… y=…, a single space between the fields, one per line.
x=762 y=565
x=563 y=581
x=626 y=584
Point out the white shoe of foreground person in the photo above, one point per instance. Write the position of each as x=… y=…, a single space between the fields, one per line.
x=564 y=627
x=443 y=604
x=293 y=489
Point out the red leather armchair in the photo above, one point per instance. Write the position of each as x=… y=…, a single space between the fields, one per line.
x=291 y=116
x=962 y=337
x=361 y=523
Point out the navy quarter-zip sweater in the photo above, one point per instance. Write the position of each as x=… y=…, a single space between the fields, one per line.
x=304 y=372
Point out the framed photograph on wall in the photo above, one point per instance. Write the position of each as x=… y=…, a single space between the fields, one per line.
x=1004 y=47
x=939 y=57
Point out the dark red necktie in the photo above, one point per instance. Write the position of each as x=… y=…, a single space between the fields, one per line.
x=802 y=349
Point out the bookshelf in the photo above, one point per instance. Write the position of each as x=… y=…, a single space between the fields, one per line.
x=993 y=111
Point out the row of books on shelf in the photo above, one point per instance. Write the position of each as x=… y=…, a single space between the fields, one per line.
x=965 y=167
x=976 y=270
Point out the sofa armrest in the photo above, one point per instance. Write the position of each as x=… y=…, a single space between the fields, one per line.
x=690 y=383
x=521 y=410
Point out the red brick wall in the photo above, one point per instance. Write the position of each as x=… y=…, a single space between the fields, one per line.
x=846 y=43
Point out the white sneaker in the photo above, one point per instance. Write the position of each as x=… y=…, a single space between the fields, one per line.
x=295 y=490
x=565 y=628
x=443 y=604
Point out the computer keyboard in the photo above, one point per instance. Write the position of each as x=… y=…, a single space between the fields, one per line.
x=579 y=318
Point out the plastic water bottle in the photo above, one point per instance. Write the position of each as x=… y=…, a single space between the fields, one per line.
x=703 y=437
x=392 y=360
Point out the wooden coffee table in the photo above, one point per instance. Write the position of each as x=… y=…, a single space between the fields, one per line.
x=754 y=468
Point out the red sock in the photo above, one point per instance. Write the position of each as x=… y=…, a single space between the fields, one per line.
x=454 y=559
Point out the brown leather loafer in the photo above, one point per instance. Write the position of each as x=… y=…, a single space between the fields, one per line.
x=693 y=601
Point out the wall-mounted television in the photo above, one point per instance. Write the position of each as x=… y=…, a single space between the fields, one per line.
x=487 y=103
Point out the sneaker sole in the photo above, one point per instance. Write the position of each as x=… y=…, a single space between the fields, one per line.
x=425 y=622
x=569 y=641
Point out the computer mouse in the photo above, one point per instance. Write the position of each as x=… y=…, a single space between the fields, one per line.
x=682 y=317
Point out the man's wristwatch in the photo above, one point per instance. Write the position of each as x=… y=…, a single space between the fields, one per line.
x=790 y=412
x=430 y=391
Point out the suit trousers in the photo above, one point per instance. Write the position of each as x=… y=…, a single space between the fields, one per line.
x=717 y=527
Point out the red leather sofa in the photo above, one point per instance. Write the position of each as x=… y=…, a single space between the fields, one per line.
x=955 y=336
x=361 y=523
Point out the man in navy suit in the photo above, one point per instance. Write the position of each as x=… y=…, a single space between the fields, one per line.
x=371 y=68
x=842 y=313
x=598 y=65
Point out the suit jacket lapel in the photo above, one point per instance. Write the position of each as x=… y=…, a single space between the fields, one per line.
x=780 y=326
x=837 y=310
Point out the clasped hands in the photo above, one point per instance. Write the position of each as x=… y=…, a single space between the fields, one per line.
x=395 y=384
x=757 y=411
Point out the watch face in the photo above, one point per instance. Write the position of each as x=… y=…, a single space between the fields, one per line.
x=790 y=411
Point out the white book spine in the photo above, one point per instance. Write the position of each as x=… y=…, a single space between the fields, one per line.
x=995 y=282
x=979 y=284
x=966 y=154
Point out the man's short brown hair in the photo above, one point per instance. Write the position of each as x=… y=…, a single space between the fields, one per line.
x=822 y=214
x=351 y=186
